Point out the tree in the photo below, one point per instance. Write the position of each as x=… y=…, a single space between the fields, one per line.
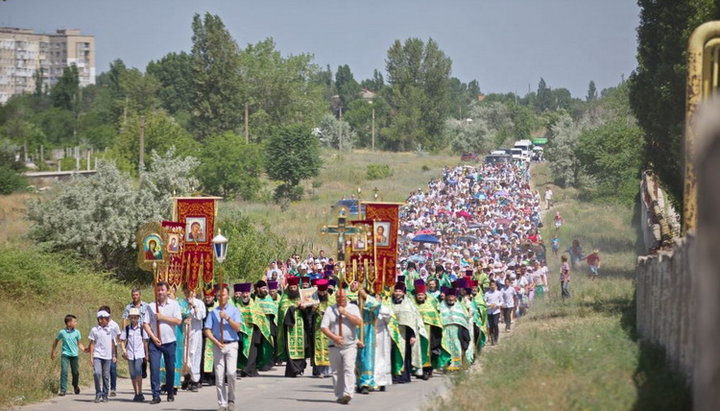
x=592 y=92
x=336 y=133
x=216 y=86
x=347 y=87
x=292 y=155
x=561 y=151
x=543 y=98
x=376 y=83
x=418 y=73
x=161 y=133
x=230 y=167
x=657 y=91
x=140 y=90
x=280 y=91
x=98 y=216
x=65 y=93
x=612 y=155
x=468 y=136
x=174 y=72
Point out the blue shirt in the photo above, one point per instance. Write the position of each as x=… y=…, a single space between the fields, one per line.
x=70 y=340
x=212 y=322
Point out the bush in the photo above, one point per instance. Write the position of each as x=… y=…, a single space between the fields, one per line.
x=252 y=248
x=425 y=168
x=11 y=181
x=378 y=171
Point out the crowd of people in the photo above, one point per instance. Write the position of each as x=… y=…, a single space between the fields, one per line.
x=481 y=258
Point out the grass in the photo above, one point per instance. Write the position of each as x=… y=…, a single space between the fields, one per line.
x=342 y=174
x=581 y=353
x=39 y=289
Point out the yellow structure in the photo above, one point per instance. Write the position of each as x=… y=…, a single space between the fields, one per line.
x=703 y=81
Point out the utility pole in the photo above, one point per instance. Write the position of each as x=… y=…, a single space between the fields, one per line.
x=141 y=163
x=340 y=142
x=373 y=129
x=247 y=124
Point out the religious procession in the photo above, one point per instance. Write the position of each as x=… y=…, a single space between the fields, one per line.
x=416 y=288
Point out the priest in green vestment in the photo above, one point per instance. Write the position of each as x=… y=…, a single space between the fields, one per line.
x=257 y=348
x=292 y=345
x=406 y=355
x=456 y=331
x=269 y=307
x=320 y=353
x=428 y=308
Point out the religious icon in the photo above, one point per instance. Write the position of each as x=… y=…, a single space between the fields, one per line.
x=195 y=229
x=309 y=297
x=173 y=246
x=152 y=245
x=382 y=233
x=359 y=242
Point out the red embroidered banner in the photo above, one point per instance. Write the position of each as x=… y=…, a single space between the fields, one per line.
x=385 y=218
x=197 y=214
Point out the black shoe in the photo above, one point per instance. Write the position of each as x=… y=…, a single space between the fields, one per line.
x=76 y=390
x=170 y=398
x=364 y=390
x=135 y=398
x=194 y=387
x=155 y=400
x=382 y=388
x=141 y=398
x=425 y=377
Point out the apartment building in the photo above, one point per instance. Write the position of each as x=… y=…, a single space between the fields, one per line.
x=23 y=53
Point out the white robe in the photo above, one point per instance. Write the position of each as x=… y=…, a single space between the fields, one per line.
x=383 y=345
x=195 y=343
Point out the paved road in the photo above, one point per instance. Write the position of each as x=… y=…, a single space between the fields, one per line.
x=270 y=391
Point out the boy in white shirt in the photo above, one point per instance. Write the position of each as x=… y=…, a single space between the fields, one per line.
x=102 y=346
x=134 y=349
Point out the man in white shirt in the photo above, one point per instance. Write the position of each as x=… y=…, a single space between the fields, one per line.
x=493 y=300
x=339 y=324
x=508 y=296
x=163 y=316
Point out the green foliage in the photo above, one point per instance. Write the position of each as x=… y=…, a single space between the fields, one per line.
x=657 y=93
x=65 y=93
x=292 y=155
x=418 y=73
x=216 y=91
x=251 y=247
x=161 y=133
x=592 y=92
x=230 y=167
x=612 y=154
x=280 y=91
x=561 y=151
x=378 y=171
x=359 y=116
x=11 y=180
x=347 y=88
x=174 y=72
x=468 y=136
x=336 y=133
x=97 y=216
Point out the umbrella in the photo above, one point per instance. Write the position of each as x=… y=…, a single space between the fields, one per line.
x=467 y=238
x=425 y=231
x=444 y=211
x=426 y=238
x=502 y=221
x=464 y=214
x=417 y=258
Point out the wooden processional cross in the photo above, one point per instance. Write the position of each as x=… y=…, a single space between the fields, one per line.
x=340 y=230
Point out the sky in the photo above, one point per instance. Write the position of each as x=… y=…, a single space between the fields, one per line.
x=507 y=45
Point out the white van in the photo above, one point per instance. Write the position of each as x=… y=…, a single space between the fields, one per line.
x=525 y=147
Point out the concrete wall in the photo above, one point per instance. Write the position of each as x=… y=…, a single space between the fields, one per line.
x=666 y=312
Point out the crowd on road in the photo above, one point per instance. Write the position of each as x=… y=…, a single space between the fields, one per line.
x=471 y=259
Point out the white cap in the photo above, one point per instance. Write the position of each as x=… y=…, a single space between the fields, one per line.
x=102 y=313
